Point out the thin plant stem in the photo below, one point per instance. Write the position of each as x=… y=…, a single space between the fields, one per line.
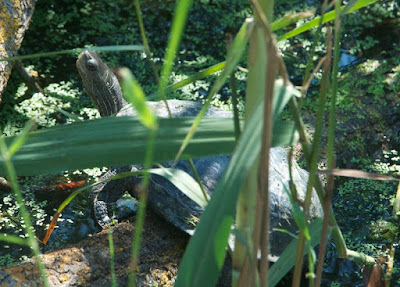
x=307 y=77
x=324 y=233
x=282 y=67
x=305 y=86
x=335 y=70
x=236 y=120
x=389 y=264
x=330 y=146
x=24 y=213
x=112 y=265
x=243 y=272
x=232 y=85
x=178 y=24
x=313 y=161
x=263 y=176
x=148 y=55
x=145 y=43
x=254 y=194
x=336 y=233
x=197 y=177
x=141 y=209
x=234 y=55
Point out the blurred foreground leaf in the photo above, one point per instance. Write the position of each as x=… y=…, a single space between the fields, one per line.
x=121 y=141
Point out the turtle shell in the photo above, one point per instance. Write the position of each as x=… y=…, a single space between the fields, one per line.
x=184 y=213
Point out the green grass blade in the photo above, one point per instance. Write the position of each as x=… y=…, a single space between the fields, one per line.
x=282 y=95
x=115 y=141
x=289 y=19
x=178 y=24
x=145 y=42
x=78 y=191
x=205 y=253
x=327 y=17
x=121 y=141
x=134 y=94
x=234 y=55
x=76 y=51
x=284 y=134
x=184 y=182
x=195 y=77
x=13 y=239
x=69 y=115
x=298 y=216
x=334 y=85
x=287 y=259
x=12 y=175
x=348 y=6
x=112 y=264
x=21 y=138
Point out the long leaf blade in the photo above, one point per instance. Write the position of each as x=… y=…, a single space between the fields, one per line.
x=76 y=50
x=134 y=94
x=327 y=17
x=121 y=141
x=178 y=24
x=184 y=182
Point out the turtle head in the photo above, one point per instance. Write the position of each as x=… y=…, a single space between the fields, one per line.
x=100 y=83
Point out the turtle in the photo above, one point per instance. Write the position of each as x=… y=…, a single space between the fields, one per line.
x=164 y=198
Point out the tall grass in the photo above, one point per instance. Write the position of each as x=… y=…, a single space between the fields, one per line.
x=7 y=153
x=241 y=194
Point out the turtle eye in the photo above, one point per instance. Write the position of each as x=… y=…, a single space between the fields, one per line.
x=91 y=65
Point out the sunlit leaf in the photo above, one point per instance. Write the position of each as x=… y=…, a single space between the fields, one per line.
x=290 y=19
x=184 y=182
x=327 y=17
x=178 y=24
x=134 y=94
x=190 y=79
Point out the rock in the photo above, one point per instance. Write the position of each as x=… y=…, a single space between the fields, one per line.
x=280 y=206
x=88 y=262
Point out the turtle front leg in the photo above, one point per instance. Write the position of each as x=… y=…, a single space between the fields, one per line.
x=104 y=195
